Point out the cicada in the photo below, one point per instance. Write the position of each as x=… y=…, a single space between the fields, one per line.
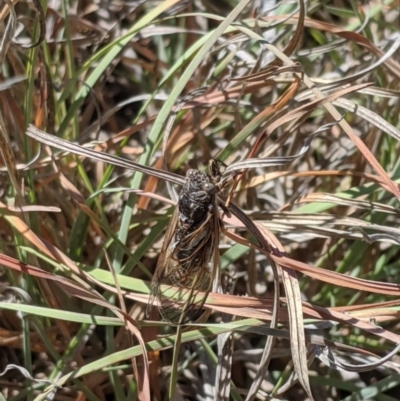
x=187 y=267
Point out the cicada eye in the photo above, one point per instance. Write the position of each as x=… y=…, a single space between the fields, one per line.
x=208 y=187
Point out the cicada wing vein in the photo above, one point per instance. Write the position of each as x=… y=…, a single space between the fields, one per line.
x=162 y=260
x=181 y=284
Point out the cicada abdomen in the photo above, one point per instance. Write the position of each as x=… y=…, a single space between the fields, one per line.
x=188 y=263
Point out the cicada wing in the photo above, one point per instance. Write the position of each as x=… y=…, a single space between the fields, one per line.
x=214 y=271
x=162 y=262
x=187 y=270
x=185 y=289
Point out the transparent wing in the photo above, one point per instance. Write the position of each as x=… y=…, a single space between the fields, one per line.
x=186 y=270
x=162 y=260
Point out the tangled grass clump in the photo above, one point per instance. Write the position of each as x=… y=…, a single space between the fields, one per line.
x=300 y=101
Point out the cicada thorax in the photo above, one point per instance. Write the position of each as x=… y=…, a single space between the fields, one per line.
x=186 y=270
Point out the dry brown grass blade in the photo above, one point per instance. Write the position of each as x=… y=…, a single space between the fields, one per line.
x=366 y=326
x=9 y=31
x=355 y=37
x=342 y=201
x=339 y=279
x=224 y=367
x=298 y=344
x=324 y=275
x=276 y=106
x=218 y=97
x=382 y=304
x=330 y=359
x=370 y=116
x=45 y=247
x=261 y=309
x=295 y=39
x=42 y=24
x=69 y=286
x=260 y=179
x=266 y=246
x=258 y=308
x=150 y=186
x=30 y=208
x=234 y=304
x=267 y=73
x=142 y=380
x=297 y=336
x=8 y=158
x=44 y=109
x=251 y=307
x=71 y=189
x=62 y=144
x=76 y=290
x=392 y=186
x=310 y=106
